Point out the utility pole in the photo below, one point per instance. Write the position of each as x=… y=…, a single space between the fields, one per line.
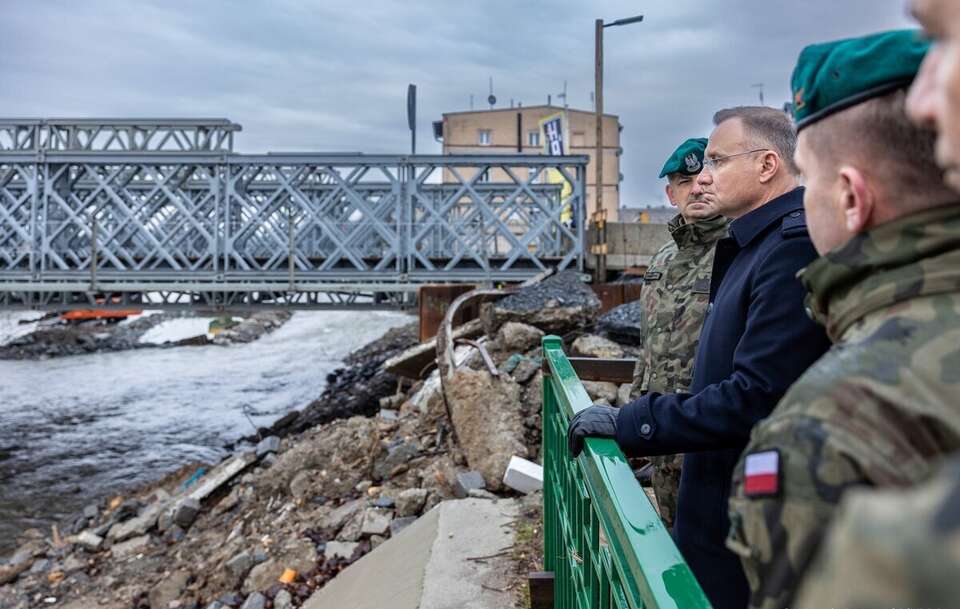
x=600 y=214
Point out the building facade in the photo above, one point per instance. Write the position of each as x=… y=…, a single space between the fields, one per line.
x=518 y=131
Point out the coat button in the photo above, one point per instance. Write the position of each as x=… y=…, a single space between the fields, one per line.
x=645 y=428
x=795 y=214
x=809 y=312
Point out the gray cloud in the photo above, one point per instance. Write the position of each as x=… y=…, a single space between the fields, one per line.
x=325 y=75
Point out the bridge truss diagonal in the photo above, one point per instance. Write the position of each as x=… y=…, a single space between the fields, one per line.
x=197 y=225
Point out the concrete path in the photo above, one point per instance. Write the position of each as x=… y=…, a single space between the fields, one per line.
x=428 y=566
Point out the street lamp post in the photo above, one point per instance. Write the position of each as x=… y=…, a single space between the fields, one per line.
x=600 y=216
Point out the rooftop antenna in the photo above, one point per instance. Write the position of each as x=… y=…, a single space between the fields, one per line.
x=759 y=86
x=564 y=94
x=491 y=99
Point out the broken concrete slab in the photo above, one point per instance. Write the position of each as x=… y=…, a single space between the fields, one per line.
x=427 y=565
x=591 y=345
x=485 y=412
x=185 y=512
x=523 y=475
x=414 y=361
x=220 y=475
x=558 y=304
x=138 y=525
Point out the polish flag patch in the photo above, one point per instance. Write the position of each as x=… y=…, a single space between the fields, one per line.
x=762 y=474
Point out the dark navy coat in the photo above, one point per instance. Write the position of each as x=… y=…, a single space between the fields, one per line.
x=756 y=340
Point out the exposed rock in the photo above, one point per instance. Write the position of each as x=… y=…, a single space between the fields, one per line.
x=241 y=564
x=263 y=576
x=283 y=600
x=352 y=529
x=270 y=444
x=519 y=337
x=376 y=522
x=130 y=547
x=72 y=563
x=466 y=482
x=623 y=394
x=185 y=512
x=486 y=415
x=398 y=524
x=397 y=454
x=336 y=519
x=136 y=526
x=88 y=541
x=169 y=589
x=591 y=345
x=342 y=549
x=601 y=391
x=558 y=304
x=410 y=501
x=622 y=323
x=254 y=601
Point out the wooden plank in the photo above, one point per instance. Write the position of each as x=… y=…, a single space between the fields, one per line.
x=541 y=589
x=611 y=370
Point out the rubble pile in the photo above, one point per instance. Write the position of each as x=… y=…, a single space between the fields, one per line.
x=62 y=339
x=280 y=517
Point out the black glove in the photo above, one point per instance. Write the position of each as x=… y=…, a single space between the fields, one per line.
x=598 y=421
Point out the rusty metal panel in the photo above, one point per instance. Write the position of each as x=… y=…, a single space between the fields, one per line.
x=610 y=295
x=434 y=300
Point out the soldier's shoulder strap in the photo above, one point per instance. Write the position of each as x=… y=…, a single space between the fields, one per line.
x=794 y=224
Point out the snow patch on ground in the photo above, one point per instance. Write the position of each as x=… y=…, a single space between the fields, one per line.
x=176 y=329
x=11 y=328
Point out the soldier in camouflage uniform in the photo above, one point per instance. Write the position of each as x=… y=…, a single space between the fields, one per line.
x=881 y=407
x=675 y=295
x=891 y=549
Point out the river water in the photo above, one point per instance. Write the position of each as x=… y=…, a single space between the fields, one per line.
x=77 y=428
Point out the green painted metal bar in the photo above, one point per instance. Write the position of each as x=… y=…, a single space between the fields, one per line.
x=603 y=540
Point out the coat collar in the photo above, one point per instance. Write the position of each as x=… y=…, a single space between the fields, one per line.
x=746 y=228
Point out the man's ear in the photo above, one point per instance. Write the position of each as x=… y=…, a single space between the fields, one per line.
x=858 y=200
x=769 y=164
x=669 y=191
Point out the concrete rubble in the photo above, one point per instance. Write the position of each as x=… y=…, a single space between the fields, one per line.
x=339 y=482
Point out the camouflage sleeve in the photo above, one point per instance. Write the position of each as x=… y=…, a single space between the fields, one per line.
x=779 y=508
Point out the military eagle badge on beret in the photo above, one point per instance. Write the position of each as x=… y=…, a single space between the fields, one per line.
x=693 y=163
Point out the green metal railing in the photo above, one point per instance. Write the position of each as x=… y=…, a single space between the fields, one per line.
x=603 y=540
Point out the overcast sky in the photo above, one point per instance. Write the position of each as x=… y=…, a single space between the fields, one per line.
x=324 y=75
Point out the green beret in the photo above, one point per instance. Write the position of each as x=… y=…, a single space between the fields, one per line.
x=687 y=159
x=833 y=76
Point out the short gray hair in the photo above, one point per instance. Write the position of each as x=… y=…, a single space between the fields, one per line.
x=765 y=128
x=877 y=136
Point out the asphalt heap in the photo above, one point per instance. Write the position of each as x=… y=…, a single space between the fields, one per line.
x=275 y=521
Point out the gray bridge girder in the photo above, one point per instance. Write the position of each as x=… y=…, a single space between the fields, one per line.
x=81 y=226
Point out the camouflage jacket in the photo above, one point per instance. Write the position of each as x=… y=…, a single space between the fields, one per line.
x=879 y=408
x=891 y=549
x=674 y=299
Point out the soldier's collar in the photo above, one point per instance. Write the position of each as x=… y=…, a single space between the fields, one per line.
x=881 y=267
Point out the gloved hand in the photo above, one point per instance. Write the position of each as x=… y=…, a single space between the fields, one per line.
x=598 y=421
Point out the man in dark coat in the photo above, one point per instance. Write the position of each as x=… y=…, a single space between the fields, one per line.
x=756 y=341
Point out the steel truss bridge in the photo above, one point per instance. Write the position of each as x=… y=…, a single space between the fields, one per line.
x=164 y=214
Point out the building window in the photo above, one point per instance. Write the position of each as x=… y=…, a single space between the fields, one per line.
x=533 y=139
x=484 y=137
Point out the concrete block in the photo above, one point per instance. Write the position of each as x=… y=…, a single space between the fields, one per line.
x=399 y=524
x=523 y=476
x=88 y=541
x=131 y=547
x=376 y=522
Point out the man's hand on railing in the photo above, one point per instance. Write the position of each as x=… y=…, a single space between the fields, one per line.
x=597 y=421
